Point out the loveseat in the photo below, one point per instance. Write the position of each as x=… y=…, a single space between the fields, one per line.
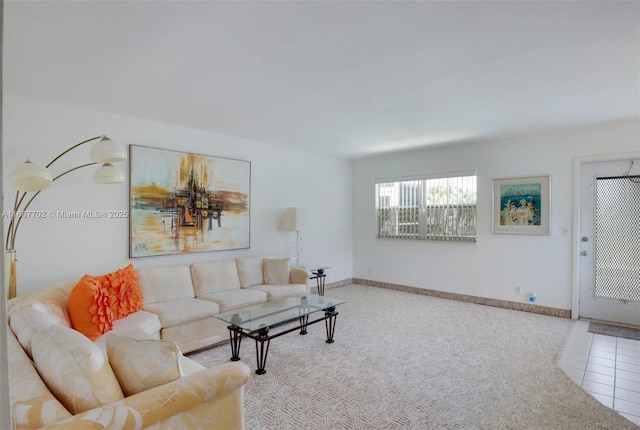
x=134 y=375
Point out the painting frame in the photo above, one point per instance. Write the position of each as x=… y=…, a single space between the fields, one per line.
x=521 y=205
x=183 y=202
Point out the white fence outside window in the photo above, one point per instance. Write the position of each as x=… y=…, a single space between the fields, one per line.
x=427 y=208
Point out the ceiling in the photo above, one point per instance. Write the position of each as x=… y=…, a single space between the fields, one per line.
x=345 y=79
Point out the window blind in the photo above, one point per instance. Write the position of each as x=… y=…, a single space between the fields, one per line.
x=427 y=208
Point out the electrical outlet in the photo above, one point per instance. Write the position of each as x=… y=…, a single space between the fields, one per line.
x=517 y=289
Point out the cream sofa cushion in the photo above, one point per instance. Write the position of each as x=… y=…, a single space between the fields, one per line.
x=250 y=271
x=164 y=284
x=275 y=292
x=138 y=325
x=214 y=276
x=43 y=309
x=234 y=299
x=143 y=364
x=74 y=369
x=276 y=270
x=182 y=311
x=29 y=320
x=143 y=324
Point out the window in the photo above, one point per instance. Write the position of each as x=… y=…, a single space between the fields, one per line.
x=428 y=208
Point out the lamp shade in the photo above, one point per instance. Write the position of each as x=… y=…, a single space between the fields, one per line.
x=30 y=177
x=108 y=174
x=108 y=151
x=290 y=220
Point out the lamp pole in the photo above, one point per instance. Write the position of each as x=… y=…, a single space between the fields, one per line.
x=35 y=179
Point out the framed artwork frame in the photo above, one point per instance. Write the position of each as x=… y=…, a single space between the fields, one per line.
x=522 y=205
x=182 y=202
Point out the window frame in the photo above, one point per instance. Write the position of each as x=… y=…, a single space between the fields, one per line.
x=455 y=225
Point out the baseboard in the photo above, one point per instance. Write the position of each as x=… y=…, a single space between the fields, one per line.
x=332 y=285
x=506 y=304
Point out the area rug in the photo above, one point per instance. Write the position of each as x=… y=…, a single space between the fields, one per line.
x=613 y=330
x=407 y=361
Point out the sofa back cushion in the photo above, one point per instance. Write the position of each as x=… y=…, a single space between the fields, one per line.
x=140 y=365
x=214 y=276
x=276 y=271
x=31 y=313
x=165 y=283
x=74 y=369
x=250 y=271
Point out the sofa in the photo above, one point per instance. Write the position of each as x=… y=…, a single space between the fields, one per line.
x=134 y=375
x=186 y=298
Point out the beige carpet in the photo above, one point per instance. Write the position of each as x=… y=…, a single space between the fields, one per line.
x=405 y=361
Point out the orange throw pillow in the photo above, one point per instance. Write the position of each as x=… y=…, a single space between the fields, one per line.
x=90 y=307
x=123 y=287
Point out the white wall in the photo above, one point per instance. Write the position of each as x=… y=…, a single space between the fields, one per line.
x=55 y=250
x=493 y=265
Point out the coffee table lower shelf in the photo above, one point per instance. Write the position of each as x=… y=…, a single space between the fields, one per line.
x=263 y=338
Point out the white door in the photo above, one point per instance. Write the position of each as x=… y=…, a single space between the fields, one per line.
x=609 y=262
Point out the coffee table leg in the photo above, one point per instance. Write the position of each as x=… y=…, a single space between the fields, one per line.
x=235 y=336
x=303 y=324
x=261 y=350
x=330 y=323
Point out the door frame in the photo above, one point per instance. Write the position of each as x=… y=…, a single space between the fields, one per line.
x=577 y=184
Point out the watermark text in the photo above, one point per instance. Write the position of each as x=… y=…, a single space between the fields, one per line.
x=62 y=214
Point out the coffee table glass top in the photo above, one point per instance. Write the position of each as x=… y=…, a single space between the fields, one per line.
x=256 y=317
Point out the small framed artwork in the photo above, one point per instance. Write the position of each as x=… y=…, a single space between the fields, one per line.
x=521 y=205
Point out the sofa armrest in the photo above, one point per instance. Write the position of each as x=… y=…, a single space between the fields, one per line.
x=298 y=275
x=212 y=398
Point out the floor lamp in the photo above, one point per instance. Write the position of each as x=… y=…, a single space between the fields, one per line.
x=32 y=178
x=291 y=221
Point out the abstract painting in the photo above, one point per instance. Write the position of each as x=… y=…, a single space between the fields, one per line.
x=521 y=205
x=182 y=202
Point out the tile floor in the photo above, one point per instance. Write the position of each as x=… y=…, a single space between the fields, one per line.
x=607 y=367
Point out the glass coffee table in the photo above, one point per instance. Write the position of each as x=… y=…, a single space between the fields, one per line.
x=257 y=321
